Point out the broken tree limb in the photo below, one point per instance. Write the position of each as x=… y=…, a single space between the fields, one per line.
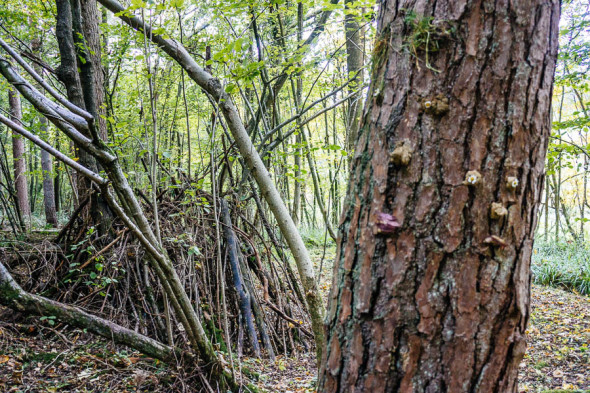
x=16 y=298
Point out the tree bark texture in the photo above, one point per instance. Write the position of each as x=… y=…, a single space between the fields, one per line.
x=78 y=37
x=18 y=157
x=95 y=76
x=49 y=202
x=457 y=118
x=48 y=190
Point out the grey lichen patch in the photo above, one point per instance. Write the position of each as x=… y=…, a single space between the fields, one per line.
x=512 y=183
x=214 y=85
x=437 y=106
x=498 y=211
x=472 y=178
x=402 y=154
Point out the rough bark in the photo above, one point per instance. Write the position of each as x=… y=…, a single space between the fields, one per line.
x=95 y=76
x=441 y=303
x=78 y=37
x=18 y=157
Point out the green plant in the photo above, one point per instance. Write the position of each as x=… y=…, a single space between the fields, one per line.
x=426 y=35
x=564 y=265
x=50 y=319
x=314 y=237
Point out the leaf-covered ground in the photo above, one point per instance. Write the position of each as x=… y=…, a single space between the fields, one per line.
x=39 y=357
x=558 y=355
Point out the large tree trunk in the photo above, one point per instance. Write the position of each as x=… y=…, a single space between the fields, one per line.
x=441 y=303
x=18 y=157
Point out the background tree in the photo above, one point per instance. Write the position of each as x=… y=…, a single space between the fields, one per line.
x=18 y=157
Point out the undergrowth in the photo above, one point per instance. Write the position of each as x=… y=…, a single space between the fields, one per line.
x=564 y=265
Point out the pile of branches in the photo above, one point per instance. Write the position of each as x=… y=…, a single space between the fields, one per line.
x=231 y=263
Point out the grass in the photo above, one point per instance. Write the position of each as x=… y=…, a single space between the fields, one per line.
x=315 y=237
x=563 y=265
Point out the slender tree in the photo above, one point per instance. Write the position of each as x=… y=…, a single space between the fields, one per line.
x=47 y=175
x=354 y=65
x=49 y=202
x=431 y=287
x=18 y=157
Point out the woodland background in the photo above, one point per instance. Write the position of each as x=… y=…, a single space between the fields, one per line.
x=181 y=161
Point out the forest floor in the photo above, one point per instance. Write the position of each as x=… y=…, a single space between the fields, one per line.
x=39 y=356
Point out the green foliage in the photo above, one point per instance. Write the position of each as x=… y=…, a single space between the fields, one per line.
x=315 y=237
x=426 y=35
x=565 y=265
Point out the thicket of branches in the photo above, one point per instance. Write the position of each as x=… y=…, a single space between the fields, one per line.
x=173 y=140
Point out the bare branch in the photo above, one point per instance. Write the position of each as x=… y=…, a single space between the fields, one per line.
x=66 y=121
x=54 y=152
x=39 y=79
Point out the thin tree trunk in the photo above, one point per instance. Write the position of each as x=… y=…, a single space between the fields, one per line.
x=298 y=151
x=243 y=295
x=546 y=234
x=18 y=158
x=354 y=65
x=46 y=162
x=431 y=289
x=318 y=197
x=48 y=191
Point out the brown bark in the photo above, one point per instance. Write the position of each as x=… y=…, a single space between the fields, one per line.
x=441 y=303
x=18 y=157
x=90 y=28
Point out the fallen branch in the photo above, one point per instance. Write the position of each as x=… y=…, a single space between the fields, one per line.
x=14 y=297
